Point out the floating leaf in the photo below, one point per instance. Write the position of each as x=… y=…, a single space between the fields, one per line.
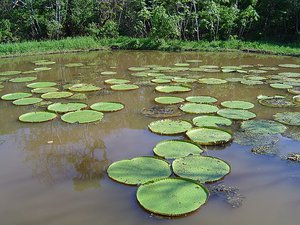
x=108 y=73
x=209 y=136
x=172 y=196
x=236 y=114
x=41 y=84
x=37 y=117
x=289 y=118
x=44 y=63
x=107 y=106
x=171 y=149
x=281 y=86
x=15 y=96
x=263 y=127
x=78 y=96
x=82 y=116
x=22 y=79
x=198 y=108
x=56 y=95
x=116 y=81
x=27 y=101
x=84 y=87
x=70 y=65
x=168 y=100
x=211 y=121
x=44 y=90
x=139 y=170
x=124 y=87
x=201 y=168
x=201 y=99
x=136 y=69
x=289 y=65
x=211 y=81
x=42 y=68
x=276 y=102
x=169 y=127
x=237 y=104
x=294 y=90
x=161 y=111
x=160 y=81
x=10 y=73
x=172 y=89
x=66 y=107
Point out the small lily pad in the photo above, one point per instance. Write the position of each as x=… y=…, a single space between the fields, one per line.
x=66 y=107
x=124 y=87
x=172 y=196
x=169 y=127
x=168 y=100
x=236 y=114
x=139 y=170
x=84 y=88
x=237 y=104
x=211 y=81
x=201 y=99
x=172 y=89
x=209 y=136
x=10 y=73
x=108 y=73
x=289 y=118
x=82 y=116
x=27 y=101
x=22 y=79
x=211 y=121
x=15 y=96
x=201 y=168
x=42 y=69
x=199 y=108
x=107 y=106
x=41 y=84
x=37 y=117
x=171 y=149
x=263 y=127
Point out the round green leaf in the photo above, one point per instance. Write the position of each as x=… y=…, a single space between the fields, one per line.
x=107 y=106
x=116 y=81
x=22 y=79
x=169 y=127
x=236 y=114
x=237 y=104
x=289 y=65
x=168 y=100
x=201 y=99
x=209 y=136
x=139 y=170
x=27 y=101
x=15 y=96
x=211 y=121
x=66 y=107
x=289 y=118
x=37 y=117
x=84 y=88
x=82 y=116
x=281 y=86
x=211 y=81
x=10 y=73
x=56 y=95
x=277 y=102
x=171 y=149
x=172 y=196
x=42 y=68
x=198 y=108
x=201 y=168
x=44 y=90
x=137 y=69
x=41 y=84
x=263 y=127
x=172 y=89
x=124 y=87
x=71 y=65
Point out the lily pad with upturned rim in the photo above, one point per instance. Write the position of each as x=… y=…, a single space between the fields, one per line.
x=107 y=106
x=201 y=168
x=22 y=79
x=209 y=136
x=288 y=118
x=124 y=87
x=15 y=96
x=10 y=73
x=169 y=127
x=236 y=114
x=71 y=65
x=281 y=86
x=172 y=89
x=212 y=81
x=116 y=81
x=172 y=196
x=27 y=101
x=56 y=95
x=201 y=99
x=211 y=121
x=139 y=170
x=293 y=66
x=66 y=107
x=37 y=117
x=172 y=149
x=168 y=100
x=277 y=102
x=82 y=116
x=198 y=108
x=237 y=104
x=44 y=90
x=42 y=84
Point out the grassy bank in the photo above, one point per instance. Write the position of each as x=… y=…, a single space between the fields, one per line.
x=89 y=43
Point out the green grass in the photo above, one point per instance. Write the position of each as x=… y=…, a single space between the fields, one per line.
x=89 y=43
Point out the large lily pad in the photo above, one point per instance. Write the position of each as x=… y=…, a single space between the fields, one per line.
x=107 y=106
x=42 y=69
x=44 y=90
x=15 y=96
x=172 y=89
x=198 y=108
x=71 y=65
x=263 y=127
x=172 y=196
x=211 y=121
x=280 y=86
x=22 y=79
x=211 y=81
x=124 y=87
x=201 y=168
x=209 y=136
x=116 y=81
x=236 y=114
x=66 y=107
x=294 y=66
x=171 y=149
x=84 y=87
x=27 y=101
x=169 y=127
x=237 y=104
x=168 y=100
x=277 y=102
x=37 y=117
x=56 y=95
x=139 y=170
x=201 y=99
x=10 y=73
x=41 y=84
x=289 y=118
x=82 y=116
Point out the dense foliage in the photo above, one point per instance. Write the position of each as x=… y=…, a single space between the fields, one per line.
x=169 y=19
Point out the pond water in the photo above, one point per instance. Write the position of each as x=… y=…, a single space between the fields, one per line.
x=55 y=172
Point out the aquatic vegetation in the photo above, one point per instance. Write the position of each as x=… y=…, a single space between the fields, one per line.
x=66 y=107
x=263 y=127
x=84 y=87
x=44 y=90
x=168 y=100
x=201 y=99
x=124 y=87
x=56 y=95
x=171 y=149
x=198 y=108
x=211 y=121
x=172 y=89
x=27 y=101
x=71 y=65
x=212 y=81
x=22 y=79
x=37 y=117
x=237 y=104
x=108 y=73
x=236 y=114
x=82 y=116
x=116 y=81
x=42 y=68
x=209 y=136
x=172 y=196
x=201 y=168
x=42 y=84
x=107 y=106
x=281 y=86
x=10 y=73
x=139 y=170
x=161 y=111
x=276 y=102
x=293 y=157
x=15 y=96
x=288 y=118
x=294 y=66
x=169 y=127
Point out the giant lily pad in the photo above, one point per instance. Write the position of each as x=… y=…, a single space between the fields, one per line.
x=116 y=81
x=108 y=73
x=10 y=73
x=277 y=102
x=27 y=101
x=263 y=127
x=22 y=79
x=139 y=170
x=199 y=108
x=176 y=148
x=41 y=84
x=289 y=65
x=211 y=81
x=44 y=90
x=56 y=95
x=209 y=136
x=37 y=117
x=237 y=104
x=84 y=88
x=236 y=114
x=82 y=116
x=107 y=106
x=201 y=168
x=168 y=100
x=280 y=86
x=124 y=87
x=211 y=121
x=169 y=127
x=71 y=65
x=172 y=196
x=66 y=107
x=172 y=89
x=201 y=99
x=289 y=118
x=42 y=69
x=15 y=96
x=44 y=63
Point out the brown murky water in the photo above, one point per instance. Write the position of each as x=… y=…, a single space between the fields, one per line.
x=65 y=182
